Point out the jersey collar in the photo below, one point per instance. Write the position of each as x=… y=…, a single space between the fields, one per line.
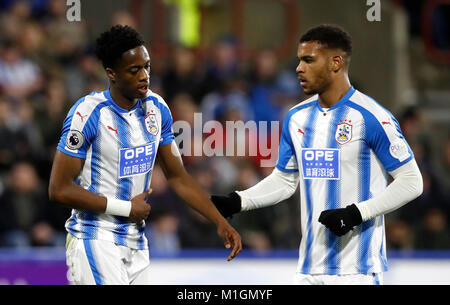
x=119 y=109
x=342 y=101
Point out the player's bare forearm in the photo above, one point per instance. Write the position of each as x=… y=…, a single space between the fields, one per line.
x=63 y=190
x=185 y=186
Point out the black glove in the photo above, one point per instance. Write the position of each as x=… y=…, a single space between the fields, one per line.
x=340 y=221
x=227 y=205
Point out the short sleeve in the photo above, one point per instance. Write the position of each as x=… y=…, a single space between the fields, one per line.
x=79 y=130
x=167 y=135
x=385 y=138
x=287 y=161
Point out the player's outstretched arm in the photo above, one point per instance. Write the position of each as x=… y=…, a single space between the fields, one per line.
x=273 y=189
x=63 y=190
x=186 y=187
x=407 y=186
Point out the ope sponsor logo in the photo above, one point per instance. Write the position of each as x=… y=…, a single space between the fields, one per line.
x=321 y=163
x=318 y=155
x=136 y=152
x=136 y=160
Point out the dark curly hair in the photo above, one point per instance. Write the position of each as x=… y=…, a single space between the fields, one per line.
x=331 y=36
x=113 y=43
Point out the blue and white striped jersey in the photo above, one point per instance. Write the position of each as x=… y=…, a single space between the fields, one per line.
x=119 y=148
x=343 y=155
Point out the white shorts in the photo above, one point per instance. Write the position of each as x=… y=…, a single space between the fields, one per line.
x=99 y=262
x=343 y=279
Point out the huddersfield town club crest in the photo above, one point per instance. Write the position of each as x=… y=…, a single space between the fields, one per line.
x=343 y=133
x=151 y=124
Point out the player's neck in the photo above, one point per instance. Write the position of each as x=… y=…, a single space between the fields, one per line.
x=121 y=101
x=334 y=92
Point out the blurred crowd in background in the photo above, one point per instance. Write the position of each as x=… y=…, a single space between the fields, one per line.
x=47 y=64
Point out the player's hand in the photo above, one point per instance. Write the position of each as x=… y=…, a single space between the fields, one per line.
x=140 y=207
x=231 y=238
x=340 y=221
x=227 y=205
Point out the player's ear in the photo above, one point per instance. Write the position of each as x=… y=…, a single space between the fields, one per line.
x=337 y=63
x=111 y=74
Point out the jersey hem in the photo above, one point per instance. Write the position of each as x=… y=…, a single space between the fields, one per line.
x=286 y=170
x=346 y=272
x=80 y=156
x=131 y=245
x=397 y=165
x=166 y=142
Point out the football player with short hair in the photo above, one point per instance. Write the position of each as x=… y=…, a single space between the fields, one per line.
x=103 y=168
x=341 y=146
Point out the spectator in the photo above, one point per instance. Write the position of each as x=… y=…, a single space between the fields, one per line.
x=223 y=65
x=13 y=19
x=442 y=165
x=31 y=42
x=229 y=98
x=7 y=148
x=21 y=139
x=19 y=77
x=81 y=76
x=163 y=233
x=23 y=221
x=263 y=92
x=183 y=110
x=123 y=17
x=399 y=235
x=433 y=233
x=49 y=114
x=182 y=76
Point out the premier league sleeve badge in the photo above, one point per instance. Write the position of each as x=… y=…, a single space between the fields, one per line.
x=74 y=140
